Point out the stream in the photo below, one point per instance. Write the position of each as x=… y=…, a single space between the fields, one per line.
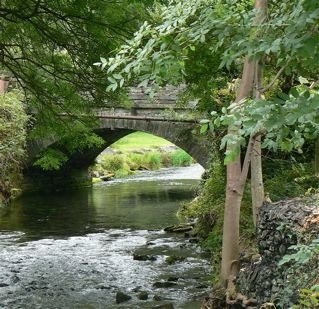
x=78 y=249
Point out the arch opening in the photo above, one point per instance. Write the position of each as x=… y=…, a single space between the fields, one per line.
x=139 y=151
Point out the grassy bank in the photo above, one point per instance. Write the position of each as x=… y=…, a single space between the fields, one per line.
x=138 y=151
x=138 y=141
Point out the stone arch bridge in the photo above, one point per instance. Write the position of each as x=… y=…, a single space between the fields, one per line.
x=161 y=117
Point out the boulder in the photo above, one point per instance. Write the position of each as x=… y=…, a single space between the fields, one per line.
x=144 y=257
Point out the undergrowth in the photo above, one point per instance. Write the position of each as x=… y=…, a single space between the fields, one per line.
x=124 y=164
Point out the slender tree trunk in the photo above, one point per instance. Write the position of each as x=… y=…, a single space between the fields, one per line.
x=234 y=192
x=236 y=176
x=257 y=185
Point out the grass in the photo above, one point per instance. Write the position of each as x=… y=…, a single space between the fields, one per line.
x=181 y=158
x=140 y=151
x=138 y=140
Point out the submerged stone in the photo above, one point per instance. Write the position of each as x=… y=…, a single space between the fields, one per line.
x=122 y=297
x=164 y=306
x=164 y=284
x=143 y=295
x=143 y=257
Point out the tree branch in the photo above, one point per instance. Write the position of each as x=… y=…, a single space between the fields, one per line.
x=263 y=90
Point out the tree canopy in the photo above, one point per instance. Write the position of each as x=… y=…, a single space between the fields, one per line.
x=162 y=51
x=48 y=47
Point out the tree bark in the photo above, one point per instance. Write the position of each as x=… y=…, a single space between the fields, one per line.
x=236 y=176
x=3 y=85
x=257 y=185
x=234 y=192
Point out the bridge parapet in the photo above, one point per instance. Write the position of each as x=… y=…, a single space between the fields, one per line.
x=177 y=115
x=163 y=105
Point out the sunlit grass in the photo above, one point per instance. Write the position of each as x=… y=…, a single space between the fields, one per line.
x=138 y=140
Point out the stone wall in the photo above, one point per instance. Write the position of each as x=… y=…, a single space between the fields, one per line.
x=281 y=225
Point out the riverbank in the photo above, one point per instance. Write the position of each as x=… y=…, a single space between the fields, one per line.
x=136 y=152
x=283 y=271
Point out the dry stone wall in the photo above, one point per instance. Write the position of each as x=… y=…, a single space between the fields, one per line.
x=281 y=225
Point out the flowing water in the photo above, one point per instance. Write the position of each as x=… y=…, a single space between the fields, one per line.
x=75 y=249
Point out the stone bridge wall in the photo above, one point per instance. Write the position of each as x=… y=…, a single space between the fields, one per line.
x=159 y=116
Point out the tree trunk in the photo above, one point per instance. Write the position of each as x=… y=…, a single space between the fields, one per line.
x=3 y=85
x=234 y=192
x=257 y=185
x=236 y=177
x=230 y=249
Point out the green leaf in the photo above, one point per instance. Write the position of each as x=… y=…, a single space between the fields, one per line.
x=204 y=128
x=303 y=80
x=294 y=92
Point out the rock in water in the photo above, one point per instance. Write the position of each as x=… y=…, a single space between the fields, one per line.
x=164 y=284
x=122 y=297
x=164 y=306
x=143 y=295
x=143 y=257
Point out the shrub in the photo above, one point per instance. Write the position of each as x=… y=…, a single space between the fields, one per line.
x=288 y=180
x=181 y=158
x=112 y=163
x=153 y=160
x=13 y=120
x=166 y=159
x=135 y=161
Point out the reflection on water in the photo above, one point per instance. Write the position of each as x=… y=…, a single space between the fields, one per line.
x=74 y=249
x=138 y=205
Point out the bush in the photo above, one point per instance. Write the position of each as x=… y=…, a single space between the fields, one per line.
x=288 y=180
x=153 y=160
x=181 y=158
x=135 y=161
x=166 y=159
x=116 y=164
x=112 y=163
x=13 y=120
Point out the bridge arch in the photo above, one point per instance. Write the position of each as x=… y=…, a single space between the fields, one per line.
x=111 y=129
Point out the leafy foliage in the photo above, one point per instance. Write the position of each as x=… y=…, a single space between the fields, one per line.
x=302 y=263
x=47 y=50
x=13 y=120
x=51 y=159
x=285 y=121
x=303 y=254
x=308 y=298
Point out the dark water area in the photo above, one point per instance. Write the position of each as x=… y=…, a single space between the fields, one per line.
x=75 y=249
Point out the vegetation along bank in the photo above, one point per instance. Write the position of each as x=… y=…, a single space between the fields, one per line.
x=135 y=152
